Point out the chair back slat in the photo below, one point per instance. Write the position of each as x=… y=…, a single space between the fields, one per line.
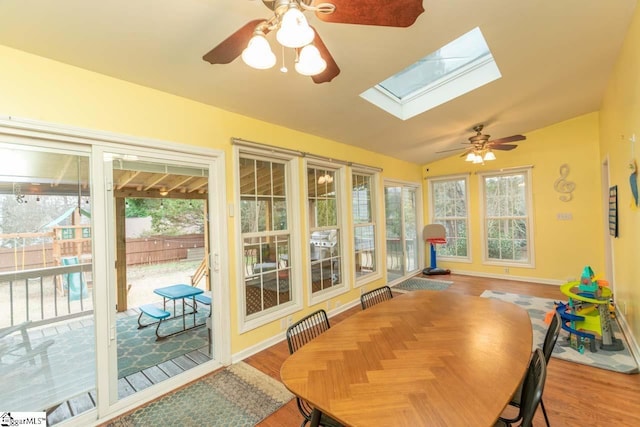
x=376 y=296
x=306 y=329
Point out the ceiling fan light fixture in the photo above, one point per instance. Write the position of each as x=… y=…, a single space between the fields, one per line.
x=489 y=155
x=258 y=53
x=294 y=29
x=470 y=157
x=310 y=62
x=477 y=158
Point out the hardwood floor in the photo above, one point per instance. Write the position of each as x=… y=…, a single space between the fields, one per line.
x=574 y=395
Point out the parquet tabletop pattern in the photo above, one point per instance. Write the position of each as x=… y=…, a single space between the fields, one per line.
x=423 y=358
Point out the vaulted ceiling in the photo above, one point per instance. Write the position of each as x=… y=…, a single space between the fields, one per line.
x=555 y=58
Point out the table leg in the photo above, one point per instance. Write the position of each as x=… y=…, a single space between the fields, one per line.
x=193 y=301
x=184 y=315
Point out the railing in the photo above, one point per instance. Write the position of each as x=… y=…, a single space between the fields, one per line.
x=201 y=271
x=396 y=255
x=42 y=295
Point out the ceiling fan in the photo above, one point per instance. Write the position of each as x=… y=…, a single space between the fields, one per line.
x=481 y=149
x=292 y=30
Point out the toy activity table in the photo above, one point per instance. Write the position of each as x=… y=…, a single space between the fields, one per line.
x=587 y=315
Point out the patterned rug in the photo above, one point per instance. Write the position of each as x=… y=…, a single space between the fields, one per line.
x=138 y=348
x=619 y=361
x=417 y=283
x=239 y=395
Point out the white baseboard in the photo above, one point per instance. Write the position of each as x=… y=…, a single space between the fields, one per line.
x=626 y=331
x=509 y=277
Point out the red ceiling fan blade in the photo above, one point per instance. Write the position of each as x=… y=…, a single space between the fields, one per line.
x=232 y=46
x=332 y=69
x=504 y=147
x=389 y=13
x=511 y=138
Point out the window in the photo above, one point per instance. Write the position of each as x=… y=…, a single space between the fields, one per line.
x=265 y=234
x=453 y=70
x=507 y=217
x=325 y=229
x=364 y=224
x=449 y=202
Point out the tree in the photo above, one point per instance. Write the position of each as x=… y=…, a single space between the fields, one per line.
x=169 y=216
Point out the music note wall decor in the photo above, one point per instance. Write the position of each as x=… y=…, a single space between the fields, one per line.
x=563 y=186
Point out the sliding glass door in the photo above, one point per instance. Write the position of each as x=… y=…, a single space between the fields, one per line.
x=403 y=243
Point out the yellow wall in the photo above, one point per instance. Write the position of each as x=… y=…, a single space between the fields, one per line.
x=562 y=247
x=619 y=120
x=38 y=88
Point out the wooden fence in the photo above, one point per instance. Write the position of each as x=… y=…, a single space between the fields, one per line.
x=148 y=250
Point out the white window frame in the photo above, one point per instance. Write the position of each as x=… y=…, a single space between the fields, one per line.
x=432 y=219
x=376 y=208
x=249 y=322
x=340 y=173
x=526 y=171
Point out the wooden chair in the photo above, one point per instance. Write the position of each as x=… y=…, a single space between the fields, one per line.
x=549 y=343
x=371 y=298
x=298 y=334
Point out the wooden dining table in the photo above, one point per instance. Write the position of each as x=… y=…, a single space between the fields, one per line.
x=424 y=358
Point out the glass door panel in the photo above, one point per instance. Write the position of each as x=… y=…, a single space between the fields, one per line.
x=47 y=334
x=161 y=281
x=402 y=242
x=411 y=240
x=394 y=240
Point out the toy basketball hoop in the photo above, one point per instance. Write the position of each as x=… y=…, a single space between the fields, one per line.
x=434 y=234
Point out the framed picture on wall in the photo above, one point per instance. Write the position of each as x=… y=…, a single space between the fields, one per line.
x=613 y=211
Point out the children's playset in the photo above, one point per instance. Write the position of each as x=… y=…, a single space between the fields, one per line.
x=587 y=314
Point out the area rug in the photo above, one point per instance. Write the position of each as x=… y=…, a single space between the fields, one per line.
x=417 y=283
x=138 y=348
x=618 y=361
x=239 y=395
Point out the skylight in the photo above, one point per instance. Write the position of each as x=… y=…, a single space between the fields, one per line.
x=457 y=68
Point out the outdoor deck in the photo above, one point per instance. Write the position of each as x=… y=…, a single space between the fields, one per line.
x=63 y=383
x=80 y=379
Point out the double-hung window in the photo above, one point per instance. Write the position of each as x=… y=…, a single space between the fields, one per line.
x=323 y=207
x=364 y=224
x=266 y=234
x=449 y=207
x=507 y=216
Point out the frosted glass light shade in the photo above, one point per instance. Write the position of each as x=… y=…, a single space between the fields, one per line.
x=258 y=53
x=294 y=29
x=489 y=155
x=470 y=157
x=310 y=62
x=477 y=159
